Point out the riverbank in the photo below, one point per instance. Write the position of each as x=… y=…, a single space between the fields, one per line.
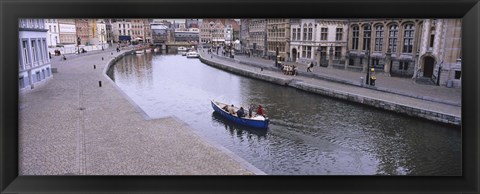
x=73 y=126
x=421 y=107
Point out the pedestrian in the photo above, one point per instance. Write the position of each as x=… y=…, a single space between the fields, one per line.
x=64 y=58
x=310 y=66
x=49 y=55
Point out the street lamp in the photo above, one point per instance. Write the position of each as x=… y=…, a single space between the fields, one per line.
x=78 y=44
x=319 y=50
x=367 y=54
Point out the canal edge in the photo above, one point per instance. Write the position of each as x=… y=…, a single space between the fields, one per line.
x=377 y=103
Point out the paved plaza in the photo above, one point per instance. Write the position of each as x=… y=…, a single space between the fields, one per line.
x=71 y=126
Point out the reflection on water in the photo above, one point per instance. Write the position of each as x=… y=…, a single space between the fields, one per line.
x=307 y=134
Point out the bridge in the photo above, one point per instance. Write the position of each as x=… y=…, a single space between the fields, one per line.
x=174 y=45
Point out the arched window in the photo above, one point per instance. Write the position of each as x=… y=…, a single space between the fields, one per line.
x=392 y=38
x=304 y=32
x=379 y=38
x=367 y=32
x=355 y=34
x=310 y=31
x=408 y=38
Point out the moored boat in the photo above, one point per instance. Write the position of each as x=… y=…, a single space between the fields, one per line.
x=182 y=49
x=256 y=121
x=192 y=54
x=139 y=51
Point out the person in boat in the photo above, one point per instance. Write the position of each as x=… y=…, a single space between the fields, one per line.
x=241 y=112
x=250 y=111
x=225 y=108
x=260 y=111
x=231 y=109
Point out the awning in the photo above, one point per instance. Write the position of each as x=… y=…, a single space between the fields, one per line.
x=124 y=38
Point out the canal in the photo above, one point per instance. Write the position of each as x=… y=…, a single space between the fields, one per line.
x=308 y=134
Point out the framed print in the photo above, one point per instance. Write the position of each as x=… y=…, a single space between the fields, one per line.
x=239 y=96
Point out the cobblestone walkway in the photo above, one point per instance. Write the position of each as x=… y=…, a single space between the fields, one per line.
x=402 y=86
x=71 y=126
x=416 y=102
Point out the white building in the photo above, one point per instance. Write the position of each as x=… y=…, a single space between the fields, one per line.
x=122 y=30
x=318 y=40
x=101 y=32
x=34 y=62
x=53 y=32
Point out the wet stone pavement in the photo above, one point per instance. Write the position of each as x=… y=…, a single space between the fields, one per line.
x=71 y=126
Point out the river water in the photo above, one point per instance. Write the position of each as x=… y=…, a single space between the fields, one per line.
x=308 y=134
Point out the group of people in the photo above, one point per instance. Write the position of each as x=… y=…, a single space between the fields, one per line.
x=289 y=70
x=241 y=112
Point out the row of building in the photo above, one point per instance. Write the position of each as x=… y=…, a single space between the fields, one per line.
x=422 y=49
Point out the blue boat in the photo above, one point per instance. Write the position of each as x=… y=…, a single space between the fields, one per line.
x=256 y=121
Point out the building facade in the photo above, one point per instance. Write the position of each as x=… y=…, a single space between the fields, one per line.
x=257 y=37
x=440 y=52
x=244 y=34
x=67 y=31
x=53 y=36
x=83 y=31
x=33 y=59
x=318 y=41
x=162 y=32
x=122 y=30
x=212 y=31
x=278 y=38
x=387 y=45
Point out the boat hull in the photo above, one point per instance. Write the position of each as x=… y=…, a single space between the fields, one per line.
x=263 y=124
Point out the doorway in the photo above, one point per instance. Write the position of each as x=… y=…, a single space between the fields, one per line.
x=428 y=63
x=294 y=55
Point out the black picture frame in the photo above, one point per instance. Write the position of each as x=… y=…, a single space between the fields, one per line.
x=11 y=10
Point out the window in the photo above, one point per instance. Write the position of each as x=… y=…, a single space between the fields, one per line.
x=338 y=52
x=310 y=32
x=355 y=34
x=304 y=32
x=408 y=38
x=298 y=33
x=324 y=34
x=25 y=53
x=120 y=32
x=304 y=51
x=367 y=32
x=323 y=53
x=403 y=65
x=309 y=52
x=55 y=28
x=392 y=38
x=379 y=38
x=294 y=34
x=458 y=74
x=339 y=34
x=432 y=39
x=34 y=51
x=38 y=76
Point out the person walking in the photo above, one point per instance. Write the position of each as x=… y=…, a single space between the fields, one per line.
x=310 y=66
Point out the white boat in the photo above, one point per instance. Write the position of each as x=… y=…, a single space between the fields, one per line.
x=156 y=50
x=148 y=50
x=139 y=52
x=192 y=54
x=182 y=49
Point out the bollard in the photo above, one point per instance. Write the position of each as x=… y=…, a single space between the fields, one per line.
x=261 y=68
x=102 y=58
x=94 y=67
x=111 y=53
x=99 y=83
x=361 y=81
